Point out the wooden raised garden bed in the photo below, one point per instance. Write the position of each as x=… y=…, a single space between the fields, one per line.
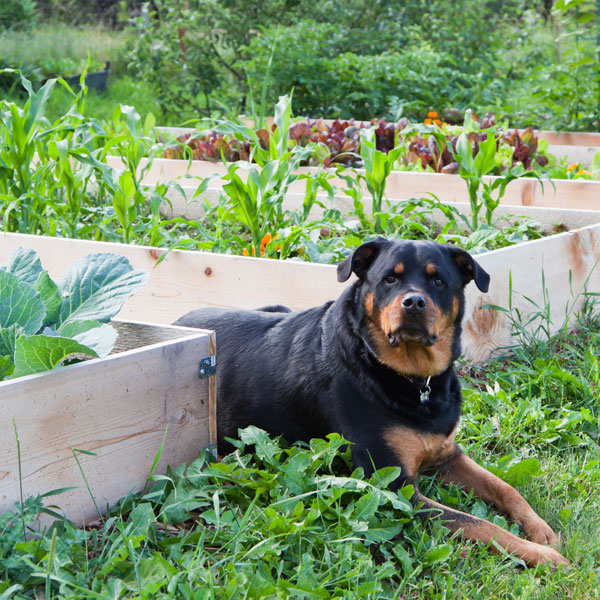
x=573 y=203
x=185 y=280
x=120 y=408
x=558 y=193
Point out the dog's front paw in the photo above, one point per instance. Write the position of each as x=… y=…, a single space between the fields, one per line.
x=536 y=554
x=540 y=532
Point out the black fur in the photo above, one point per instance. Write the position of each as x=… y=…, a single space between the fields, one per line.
x=306 y=374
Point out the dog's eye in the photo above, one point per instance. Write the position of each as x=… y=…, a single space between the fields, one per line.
x=438 y=282
x=391 y=279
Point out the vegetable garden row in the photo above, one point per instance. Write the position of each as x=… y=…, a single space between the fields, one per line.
x=79 y=186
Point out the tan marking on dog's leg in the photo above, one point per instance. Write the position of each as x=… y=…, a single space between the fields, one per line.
x=466 y=473
x=415 y=450
x=474 y=528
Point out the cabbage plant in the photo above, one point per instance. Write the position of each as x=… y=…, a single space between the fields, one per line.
x=42 y=323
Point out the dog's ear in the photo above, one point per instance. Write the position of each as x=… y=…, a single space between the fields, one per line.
x=360 y=260
x=469 y=268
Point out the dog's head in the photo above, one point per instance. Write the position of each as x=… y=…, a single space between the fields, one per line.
x=412 y=301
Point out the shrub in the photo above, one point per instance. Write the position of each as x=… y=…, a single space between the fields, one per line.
x=18 y=14
x=330 y=84
x=187 y=49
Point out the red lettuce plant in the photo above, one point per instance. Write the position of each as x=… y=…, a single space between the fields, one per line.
x=338 y=142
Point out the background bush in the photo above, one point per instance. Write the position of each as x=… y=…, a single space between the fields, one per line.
x=535 y=63
x=18 y=14
x=314 y=60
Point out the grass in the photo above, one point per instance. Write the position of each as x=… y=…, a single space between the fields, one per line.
x=55 y=45
x=122 y=89
x=298 y=522
x=54 y=49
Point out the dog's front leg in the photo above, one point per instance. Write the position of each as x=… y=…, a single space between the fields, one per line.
x=407 y=451
x=467 y=474
x=474 y=528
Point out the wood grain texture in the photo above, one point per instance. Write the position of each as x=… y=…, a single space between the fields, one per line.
x=558 y=193
x=565 y=265
x=549 y=218
x=574 y=154
x=119 y=408
x=187 y=280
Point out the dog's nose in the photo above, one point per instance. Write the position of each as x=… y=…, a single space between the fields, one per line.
x=414 y=303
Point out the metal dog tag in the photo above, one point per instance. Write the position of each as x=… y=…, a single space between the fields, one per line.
x=425 y=391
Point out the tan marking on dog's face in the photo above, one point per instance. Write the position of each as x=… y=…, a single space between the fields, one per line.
x=408 y=357
x=431 y=269
x=390 y=317
x=369 y=306
x=455 y=308
x=399 y=268
x=417 y=450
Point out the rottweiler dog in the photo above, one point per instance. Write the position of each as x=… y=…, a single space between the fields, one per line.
x=376 y=366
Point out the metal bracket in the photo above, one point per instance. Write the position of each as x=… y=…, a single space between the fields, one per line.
x=208 y=366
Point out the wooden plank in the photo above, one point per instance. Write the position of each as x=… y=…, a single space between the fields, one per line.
x=119 y=408
x=565 y=265
x=187 y=280
x=573 y=194
x=571 y=138
x=575 y=154
x=565 y=218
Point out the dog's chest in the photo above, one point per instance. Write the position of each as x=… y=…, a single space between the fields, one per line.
x=416 y=450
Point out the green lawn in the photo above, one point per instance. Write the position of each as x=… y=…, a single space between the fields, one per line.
x=297 y=522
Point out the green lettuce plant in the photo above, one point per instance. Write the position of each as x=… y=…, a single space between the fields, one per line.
x=42 y=323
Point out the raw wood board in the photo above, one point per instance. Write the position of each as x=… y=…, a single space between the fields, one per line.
x=551 y=219
x=119 y=408
x=401 y=185
x=187 y=280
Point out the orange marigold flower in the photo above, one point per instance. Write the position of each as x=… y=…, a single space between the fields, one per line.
x=267 y=239
x=432 y=114
x=245 y=251
x=428 y=121
x=584 y=172
x=573 y=167
x=437 y=122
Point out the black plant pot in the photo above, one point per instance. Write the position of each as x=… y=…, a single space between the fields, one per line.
x=96 y=81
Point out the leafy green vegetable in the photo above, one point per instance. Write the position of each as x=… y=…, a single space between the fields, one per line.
x=42 y=323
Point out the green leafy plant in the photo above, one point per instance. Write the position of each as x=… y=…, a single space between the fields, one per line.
x=378 y=166
x=484 y=193
x=42 y=323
